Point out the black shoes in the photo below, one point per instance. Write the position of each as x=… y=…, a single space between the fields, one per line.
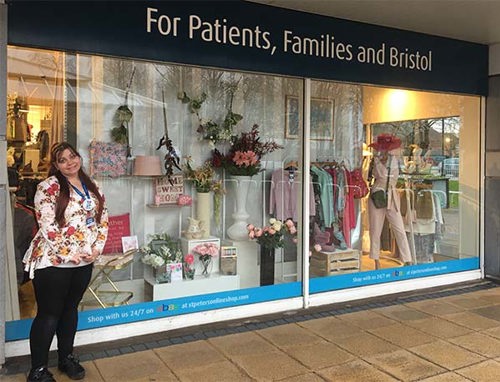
x=71 y=366
x=42 y=374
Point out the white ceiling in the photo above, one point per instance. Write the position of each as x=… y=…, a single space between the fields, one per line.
x=469 y=20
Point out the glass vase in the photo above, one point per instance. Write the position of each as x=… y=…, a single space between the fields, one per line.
x=206 y=266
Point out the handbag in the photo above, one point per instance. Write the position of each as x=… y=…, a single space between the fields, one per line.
x=357 y=184
x=379 y=197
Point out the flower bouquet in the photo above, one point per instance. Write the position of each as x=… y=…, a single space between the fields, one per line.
x=245 y=155
x=206 y=252
x=272 y=235
x=158 y=253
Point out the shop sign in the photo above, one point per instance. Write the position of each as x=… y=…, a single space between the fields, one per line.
x=253 y=37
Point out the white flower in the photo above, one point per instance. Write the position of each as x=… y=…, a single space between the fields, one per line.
x=277 y=225
x=272 y=220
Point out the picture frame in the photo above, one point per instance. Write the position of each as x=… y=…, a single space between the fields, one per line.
x=322 y=118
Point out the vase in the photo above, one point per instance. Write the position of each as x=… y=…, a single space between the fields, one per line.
x=188 y=271
x=206 y=266
x=162 y=274
x=203 y=212
x=238 y=231
x=266 y=266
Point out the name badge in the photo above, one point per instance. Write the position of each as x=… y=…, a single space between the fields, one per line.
x=88 y=204
x=90 y=221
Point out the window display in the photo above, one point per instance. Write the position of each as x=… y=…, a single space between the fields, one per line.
x=203 y=172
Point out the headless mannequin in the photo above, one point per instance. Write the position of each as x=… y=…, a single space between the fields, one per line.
x=385 y=165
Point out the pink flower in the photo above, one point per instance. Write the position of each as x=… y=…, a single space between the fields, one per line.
x=272 y=231
x=289 y=223
x=251 y=234
x=259 y=233
x=293 y=230
x=295 y=240
x=189 y=258
x=317 y=247
x=250 y=227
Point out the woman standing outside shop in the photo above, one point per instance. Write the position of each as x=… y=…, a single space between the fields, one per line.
x=73 y=222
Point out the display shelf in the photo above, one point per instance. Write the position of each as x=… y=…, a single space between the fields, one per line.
x=200 y=285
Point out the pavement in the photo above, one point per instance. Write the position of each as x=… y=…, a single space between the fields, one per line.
x=436 y=335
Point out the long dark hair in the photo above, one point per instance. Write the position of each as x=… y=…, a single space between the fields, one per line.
x=63 y=199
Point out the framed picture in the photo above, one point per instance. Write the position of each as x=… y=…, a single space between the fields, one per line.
x=321 y=118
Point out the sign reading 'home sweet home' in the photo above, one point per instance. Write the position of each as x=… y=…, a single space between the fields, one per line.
x=167 y=192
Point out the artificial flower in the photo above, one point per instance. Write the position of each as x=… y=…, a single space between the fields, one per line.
x=273 y=235
x=245 y=155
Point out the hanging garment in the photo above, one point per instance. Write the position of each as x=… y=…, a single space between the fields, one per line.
x=284 y=192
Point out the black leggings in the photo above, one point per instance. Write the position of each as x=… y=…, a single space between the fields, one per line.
x=58 y=292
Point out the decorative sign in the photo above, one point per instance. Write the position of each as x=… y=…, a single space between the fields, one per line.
x=119 y=226
x=166 y=192
x=175 y=270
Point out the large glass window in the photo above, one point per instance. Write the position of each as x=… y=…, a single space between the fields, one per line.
x=191 y=163
x=203 y=175
x=410 y=147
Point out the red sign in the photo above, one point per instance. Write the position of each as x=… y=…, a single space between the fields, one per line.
x=119 y=226
x=166 y=192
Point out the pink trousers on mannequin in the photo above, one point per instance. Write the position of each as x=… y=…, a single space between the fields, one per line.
x=376 y=217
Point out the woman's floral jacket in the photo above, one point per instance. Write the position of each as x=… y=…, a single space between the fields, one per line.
x=54 y=245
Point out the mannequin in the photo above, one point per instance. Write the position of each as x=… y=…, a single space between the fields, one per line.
x=386 y=164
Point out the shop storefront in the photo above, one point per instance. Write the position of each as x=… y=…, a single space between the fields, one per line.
x=235 y=144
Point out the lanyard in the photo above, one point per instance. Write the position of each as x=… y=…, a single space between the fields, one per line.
x=87 y=202
x=85 y=189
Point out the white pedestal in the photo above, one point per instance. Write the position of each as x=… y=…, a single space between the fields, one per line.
x=200 y=285
x=247 y=263
x=188 y=245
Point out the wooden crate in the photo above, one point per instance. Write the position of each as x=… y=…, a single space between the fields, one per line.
x=333 y=263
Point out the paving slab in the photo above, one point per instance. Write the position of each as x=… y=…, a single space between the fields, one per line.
x=241 y=344
x=134 y=367
x=309 y=377
x=466 y=302
x=403 y=335
x=447 y=355
x=471 y=320
x=331 y=328
x=367 y=319
x=355 y=371
x=435 y=308
x=270 y=366
x=479 y=343
x=402 y=313
x=365 y=344
x=404 y=365
x=494 y=332
x=439 y=328
x=488 y=371
x=213 y=372
x=287 y=335
x=446 y=377
x=319 y=355
x=492 y=312
x=184 y=356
